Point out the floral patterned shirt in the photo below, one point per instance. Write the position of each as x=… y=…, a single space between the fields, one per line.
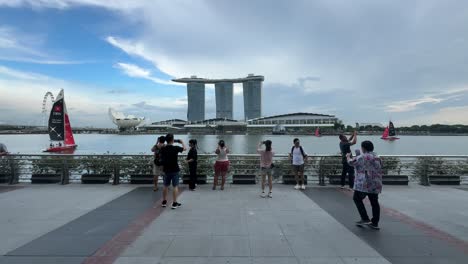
x=368 y=173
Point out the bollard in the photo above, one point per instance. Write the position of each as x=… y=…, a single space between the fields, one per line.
x=116 y=180
x=14 y=178
x=65 y=173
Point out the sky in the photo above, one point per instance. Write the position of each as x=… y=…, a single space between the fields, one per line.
x=363 y=61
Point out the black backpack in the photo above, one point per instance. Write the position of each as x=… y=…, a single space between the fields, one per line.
x=157 y=157
x=302 y=151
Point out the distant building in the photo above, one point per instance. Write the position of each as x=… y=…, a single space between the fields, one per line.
x=177 y=123
x=196 y=101
x=216 y=126
x=294 y=120
x=252 y=98
x=125 y=122
x=252 y=85
x=224 y=92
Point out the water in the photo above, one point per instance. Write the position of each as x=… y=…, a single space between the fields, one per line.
x=242 y=144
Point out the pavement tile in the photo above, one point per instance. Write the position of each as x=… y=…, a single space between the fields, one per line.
x=320 y=260
x=190 y=246
x=274 y=260
x=40 y=260
x=311 y=246
x=149 y=246
x=269 y=246
x=367 y=260
x=138 y=260
x=230 y=246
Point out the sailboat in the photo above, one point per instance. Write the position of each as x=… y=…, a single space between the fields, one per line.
x=389 y=132
x=60 y=131
x=317 y=132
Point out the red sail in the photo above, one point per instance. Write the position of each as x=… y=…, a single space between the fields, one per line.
x=385 y=133
x=317 y=132
x=69 y=140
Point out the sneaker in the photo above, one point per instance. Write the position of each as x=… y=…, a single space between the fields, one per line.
x=302 y=187
x=164 y=203
x=176 y=205
x=263 y=195
x=270 y=195
x=342 y=187
x=362 y=222
x=373 y=226
x=297 y=187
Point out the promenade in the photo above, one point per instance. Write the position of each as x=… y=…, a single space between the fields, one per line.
x=126 y=224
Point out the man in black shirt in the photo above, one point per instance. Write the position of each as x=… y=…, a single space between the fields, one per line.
x=169 y=159
x=345 y=148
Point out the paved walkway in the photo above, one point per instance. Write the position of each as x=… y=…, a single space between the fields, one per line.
x=126 y=224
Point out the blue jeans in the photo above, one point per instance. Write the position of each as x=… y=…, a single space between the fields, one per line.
x=171 y=177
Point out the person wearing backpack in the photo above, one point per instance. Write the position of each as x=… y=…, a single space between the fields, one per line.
x=298 y=158
x=157 y=163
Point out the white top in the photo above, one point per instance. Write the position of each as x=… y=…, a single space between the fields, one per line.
x=222 y=155
x=297 y=158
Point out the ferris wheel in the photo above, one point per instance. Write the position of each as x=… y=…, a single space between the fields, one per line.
x=46 y=106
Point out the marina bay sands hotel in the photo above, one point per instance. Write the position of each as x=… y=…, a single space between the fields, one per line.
x=224 y=92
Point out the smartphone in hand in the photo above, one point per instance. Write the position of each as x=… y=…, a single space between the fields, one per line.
x=358 y=152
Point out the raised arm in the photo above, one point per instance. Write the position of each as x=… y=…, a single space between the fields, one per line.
x=353 y=138
x=183 y=144
x=259 y=147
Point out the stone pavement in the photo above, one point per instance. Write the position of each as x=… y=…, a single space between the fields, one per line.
x=126 y=224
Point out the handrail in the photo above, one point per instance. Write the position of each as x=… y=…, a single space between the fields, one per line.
x=233 y=155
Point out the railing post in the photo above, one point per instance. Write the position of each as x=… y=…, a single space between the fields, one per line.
x=116 y=173
x=65 y=173
x=14 y=178
x=425 y=173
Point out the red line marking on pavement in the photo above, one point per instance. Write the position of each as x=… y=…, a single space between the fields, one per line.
x=111 y=250
x=425 y=228
x=4 y=189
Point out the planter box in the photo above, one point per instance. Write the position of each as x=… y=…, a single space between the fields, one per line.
x=4 y=178
x=243 y=179
x=95 y=178
x=336 y=180
x=201 y=179
x=46 y=178
x=395 y=180
x=141 y=178
x=291 y=180
x=444 y=180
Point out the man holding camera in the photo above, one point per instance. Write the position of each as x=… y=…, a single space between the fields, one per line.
x=345 y=148
x=169 y=159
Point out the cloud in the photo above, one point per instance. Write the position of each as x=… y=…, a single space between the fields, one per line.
x=410 y=105
x=65 y=4
x=20 y=46
x=394 y=56
x=8 y=72
x=135 y=71
x=451 y=115
x=118 y=91
x=22 y=104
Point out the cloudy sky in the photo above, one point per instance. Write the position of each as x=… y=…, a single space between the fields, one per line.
x=363 y=61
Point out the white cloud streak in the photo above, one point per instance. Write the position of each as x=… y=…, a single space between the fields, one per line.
x=410 y=105
x=19 y=46
x=135 y=71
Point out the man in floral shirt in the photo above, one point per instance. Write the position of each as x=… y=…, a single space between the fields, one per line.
x=368 y=182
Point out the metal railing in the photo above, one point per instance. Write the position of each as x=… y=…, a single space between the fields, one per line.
x=64 y=169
